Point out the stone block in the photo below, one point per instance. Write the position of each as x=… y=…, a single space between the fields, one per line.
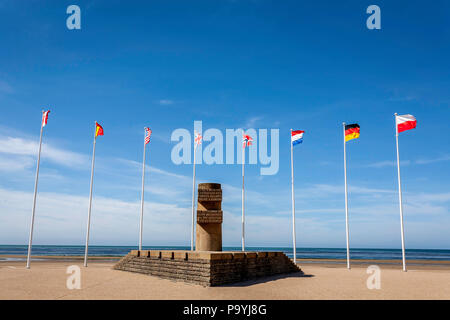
x=250 y=255
x=238 y=255
x=166 y=254
x=155 y=254
x=134 y=253
x=181 y=255
x=143 y=253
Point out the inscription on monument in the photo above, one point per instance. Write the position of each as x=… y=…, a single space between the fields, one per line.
x=209 y=217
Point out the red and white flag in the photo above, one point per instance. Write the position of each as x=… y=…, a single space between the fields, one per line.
x=405 y=122
x=148 y=133
x=198 y=139
x=45 y=117
x=246 y=140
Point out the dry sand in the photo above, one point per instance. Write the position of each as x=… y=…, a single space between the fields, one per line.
x=47 y=280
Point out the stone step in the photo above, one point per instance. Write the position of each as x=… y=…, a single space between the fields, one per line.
x=151 y=268
x=172 y=263
x=167 y=272
x=207 y=269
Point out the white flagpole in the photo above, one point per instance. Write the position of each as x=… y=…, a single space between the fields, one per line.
x=293 y=202
x=90 y=199
x=346 y=200
x=193 y=199
x=400 y=196
x=141 y=221
x=243 y=195
x=34 y=197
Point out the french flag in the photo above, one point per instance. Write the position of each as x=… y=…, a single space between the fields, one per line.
x=405 y=122
x=297 y=136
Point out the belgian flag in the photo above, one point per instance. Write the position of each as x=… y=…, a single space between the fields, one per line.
x=351 y=131
x=98 y=130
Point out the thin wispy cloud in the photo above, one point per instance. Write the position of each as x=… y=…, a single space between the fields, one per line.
x=166 y=102
x=438 y=159
x=251 y=123
x=5 y=87
x=326 y=189
x=387 y=163
x=402 y=98
x=153 y=169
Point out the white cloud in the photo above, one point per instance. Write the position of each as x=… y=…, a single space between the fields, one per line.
x=61 y=218
x=19 y=163
x=22 y=147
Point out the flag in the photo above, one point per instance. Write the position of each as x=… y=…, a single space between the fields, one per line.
x=148 y=133
x=45 y=117
x=405 y=122
x=297 y=136
x=351 y=131
x=98 y=130
x=246 y=140
x=198 y=139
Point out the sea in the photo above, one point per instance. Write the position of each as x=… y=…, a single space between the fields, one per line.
x=302 y=253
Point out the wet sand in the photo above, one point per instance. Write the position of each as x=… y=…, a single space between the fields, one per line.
x=327 y=280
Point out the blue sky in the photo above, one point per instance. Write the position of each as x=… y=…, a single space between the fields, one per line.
x=262 y=64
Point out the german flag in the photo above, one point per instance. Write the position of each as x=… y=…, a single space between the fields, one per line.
x=351 y=131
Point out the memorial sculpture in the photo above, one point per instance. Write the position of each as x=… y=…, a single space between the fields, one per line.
x=209 y=217
x=208 y=265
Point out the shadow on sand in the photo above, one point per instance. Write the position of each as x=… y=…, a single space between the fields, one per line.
x=251 y=282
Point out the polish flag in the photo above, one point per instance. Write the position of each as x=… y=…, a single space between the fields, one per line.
x=405 y=122
x=45 y=117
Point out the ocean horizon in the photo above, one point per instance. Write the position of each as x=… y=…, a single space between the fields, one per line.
x=302 y=253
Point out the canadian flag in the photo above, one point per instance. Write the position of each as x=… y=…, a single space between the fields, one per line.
x=246 y=140
x=405 y=122
x=198 y=139
x=45 y=117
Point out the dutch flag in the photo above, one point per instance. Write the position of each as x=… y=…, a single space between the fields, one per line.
x=297 y=136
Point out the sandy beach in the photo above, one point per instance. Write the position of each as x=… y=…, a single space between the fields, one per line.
x=326 y=280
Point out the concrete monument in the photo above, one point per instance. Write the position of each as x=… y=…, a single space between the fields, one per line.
x=208 y=265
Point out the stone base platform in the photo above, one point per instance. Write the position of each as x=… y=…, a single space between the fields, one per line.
x=207 y=268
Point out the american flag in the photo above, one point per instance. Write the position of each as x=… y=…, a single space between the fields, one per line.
x=246 y=140
x=148 y=133
x=45 y=117
x=198 y=139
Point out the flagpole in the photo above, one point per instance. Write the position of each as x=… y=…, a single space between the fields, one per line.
x=34 y=197
x=346 y=200
x=193 y=198
x=90 y=198
x=141 y=222
x=293 y=202
x=400 y=197
x=243 y=195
